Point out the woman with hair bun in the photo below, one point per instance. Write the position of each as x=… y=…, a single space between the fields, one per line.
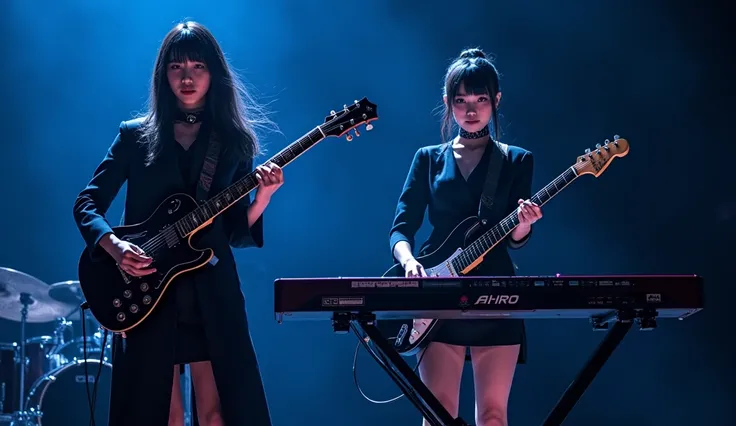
x=448 y=179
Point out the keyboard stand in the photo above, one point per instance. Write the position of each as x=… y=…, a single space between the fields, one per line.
x=390 y=360
x=622 y=322
x=414 y=389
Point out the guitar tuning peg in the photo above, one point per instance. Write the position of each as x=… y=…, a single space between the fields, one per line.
x=616 y=137
x=333 y=112
x=349 y=137
x=606 y=141
x=369 y=127
x=598 y=145
x=355 y=101
x=345 y=106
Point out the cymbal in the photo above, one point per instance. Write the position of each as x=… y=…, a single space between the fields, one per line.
x=67 y=292
x=42 y=307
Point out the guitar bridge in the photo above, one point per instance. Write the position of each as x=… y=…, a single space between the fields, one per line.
x=450 y=269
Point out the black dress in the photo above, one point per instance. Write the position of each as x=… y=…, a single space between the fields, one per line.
x=435 y=185
x=190 y=343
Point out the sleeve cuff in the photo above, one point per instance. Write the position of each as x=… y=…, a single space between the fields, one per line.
x=395 y=238
x=99 y=228
x=256 y=232
x=246 y=236
x=513 y=244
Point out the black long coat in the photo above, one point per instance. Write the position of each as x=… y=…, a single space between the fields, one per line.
x=143 y=362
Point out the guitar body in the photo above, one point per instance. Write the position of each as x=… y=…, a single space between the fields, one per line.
x=120 y=301
x=409 y=336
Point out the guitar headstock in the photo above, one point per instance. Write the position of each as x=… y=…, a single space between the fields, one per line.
x=349 y=118
x=595 y=161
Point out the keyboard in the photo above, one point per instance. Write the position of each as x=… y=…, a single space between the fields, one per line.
x=671 y=296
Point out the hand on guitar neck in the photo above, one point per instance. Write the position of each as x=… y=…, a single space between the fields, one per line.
x=270 y=178
x=528 y=213
x=129 y=257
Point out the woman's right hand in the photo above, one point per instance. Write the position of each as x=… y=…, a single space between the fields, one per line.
x=129 y=257
x=412 y=268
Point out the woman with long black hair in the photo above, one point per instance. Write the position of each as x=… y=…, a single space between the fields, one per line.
x=201 y=320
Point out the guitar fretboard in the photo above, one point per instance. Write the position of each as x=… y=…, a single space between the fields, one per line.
x=230 y=195
x=491 y=237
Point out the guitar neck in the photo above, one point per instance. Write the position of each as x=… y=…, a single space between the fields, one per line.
x=208 y=210
x=472 y=254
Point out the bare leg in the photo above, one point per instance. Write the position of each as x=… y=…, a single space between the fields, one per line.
x=441 y=369
x=493 y=373
x=176 y=411
x=205 y=392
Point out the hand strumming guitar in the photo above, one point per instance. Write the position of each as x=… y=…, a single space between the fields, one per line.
x=129 y=257
x=413 y=268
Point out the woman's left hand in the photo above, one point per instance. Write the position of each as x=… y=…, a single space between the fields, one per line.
x=528 y=212
x=271 y=177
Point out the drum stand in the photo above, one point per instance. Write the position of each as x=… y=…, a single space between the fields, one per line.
x=21 y=417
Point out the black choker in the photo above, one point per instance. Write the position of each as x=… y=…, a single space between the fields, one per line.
x=190 y=117
x=474 y=135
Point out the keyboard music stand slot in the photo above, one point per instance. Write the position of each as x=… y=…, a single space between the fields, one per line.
x=386 y=356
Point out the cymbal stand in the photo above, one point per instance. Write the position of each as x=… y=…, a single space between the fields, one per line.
x=21 y=417
x=62 y=324
x=55 y=357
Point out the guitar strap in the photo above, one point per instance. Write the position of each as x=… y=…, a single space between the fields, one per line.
x=205 y=176
x=499 y=152
x=208 y=168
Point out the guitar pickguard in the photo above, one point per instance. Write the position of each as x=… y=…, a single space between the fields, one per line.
x=444 y=269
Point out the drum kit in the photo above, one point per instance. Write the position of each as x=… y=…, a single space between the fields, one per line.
x=55 y=379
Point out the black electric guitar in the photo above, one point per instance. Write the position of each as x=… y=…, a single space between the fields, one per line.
x=120 y=301
x=466 y=246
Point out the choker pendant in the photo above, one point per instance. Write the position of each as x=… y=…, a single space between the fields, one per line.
x=190 y=117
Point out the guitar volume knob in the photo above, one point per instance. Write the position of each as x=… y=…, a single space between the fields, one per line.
x=117 y=303
x=127 y=294
x=146 y=300
x=133 y=308
x=121 y=316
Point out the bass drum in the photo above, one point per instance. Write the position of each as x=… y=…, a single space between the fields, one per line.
x=60 y=397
